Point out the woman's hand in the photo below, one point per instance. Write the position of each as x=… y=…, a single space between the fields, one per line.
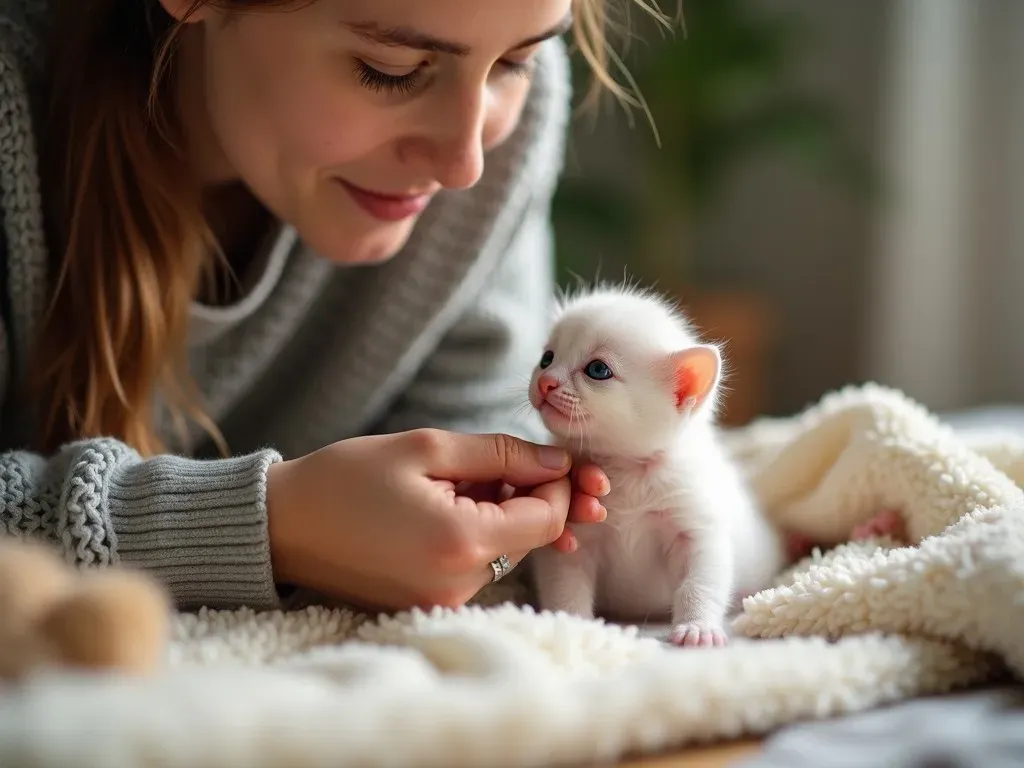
x=396 y=521
x=589 y=484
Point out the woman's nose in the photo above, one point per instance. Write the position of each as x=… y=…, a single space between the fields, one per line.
x=460 y=162
x=451 y=143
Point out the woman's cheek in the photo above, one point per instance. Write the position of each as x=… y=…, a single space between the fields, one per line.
x=504 y=115
x=338 y=134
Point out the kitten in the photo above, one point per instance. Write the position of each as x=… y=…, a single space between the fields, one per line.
x=625 y=383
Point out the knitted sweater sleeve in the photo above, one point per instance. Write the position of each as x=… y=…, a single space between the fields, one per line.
x=200 y=526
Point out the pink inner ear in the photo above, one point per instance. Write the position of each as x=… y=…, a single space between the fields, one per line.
x=686 y=385
x=695 y=371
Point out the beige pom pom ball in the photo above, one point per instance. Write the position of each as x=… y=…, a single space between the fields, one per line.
x=114 y=620
x=52 y=615
x=32 y=578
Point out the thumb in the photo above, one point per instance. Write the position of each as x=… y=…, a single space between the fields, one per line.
x=493 y=457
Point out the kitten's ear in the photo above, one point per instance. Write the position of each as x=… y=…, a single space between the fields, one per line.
x=695 y=372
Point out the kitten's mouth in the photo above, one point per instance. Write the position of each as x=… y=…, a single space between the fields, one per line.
x=548 y=408
x=559 y=417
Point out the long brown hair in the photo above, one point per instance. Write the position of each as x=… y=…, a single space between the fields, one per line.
x=125 y=226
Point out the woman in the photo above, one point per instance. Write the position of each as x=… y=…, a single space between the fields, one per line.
x=260 y=248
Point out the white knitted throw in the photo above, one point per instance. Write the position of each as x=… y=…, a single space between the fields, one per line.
x=861 y=625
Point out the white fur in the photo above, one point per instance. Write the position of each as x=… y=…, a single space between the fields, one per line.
x=683 y=535
x=857 y=627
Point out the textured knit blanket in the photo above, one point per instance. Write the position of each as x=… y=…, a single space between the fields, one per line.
x=851 y=627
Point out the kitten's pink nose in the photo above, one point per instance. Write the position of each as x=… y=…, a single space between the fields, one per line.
x=546 y=383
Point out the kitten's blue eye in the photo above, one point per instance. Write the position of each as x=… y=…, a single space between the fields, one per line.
x=597 y=369
x=547 y=358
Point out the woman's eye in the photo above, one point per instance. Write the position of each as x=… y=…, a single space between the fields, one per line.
x=378 y=81
x=547 y=358
x=598 y=369
x=522 y=69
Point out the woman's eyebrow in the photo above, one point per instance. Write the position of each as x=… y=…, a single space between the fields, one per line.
x=407 y=37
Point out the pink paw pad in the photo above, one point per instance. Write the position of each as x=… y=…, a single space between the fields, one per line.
x=887 y=523
x=698 y=635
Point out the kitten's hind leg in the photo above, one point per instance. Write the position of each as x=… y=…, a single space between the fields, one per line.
x=701 y=600
x=565 y=581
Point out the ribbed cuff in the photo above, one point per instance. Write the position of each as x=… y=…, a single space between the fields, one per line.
x=200 y=526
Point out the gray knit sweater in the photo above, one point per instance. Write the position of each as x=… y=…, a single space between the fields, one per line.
x=442 y=335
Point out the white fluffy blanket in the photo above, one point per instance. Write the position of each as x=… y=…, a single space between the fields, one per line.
x=858 y=626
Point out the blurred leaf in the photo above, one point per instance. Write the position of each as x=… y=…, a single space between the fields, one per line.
x=721 y=97
x=793 y=127
x=583 y=202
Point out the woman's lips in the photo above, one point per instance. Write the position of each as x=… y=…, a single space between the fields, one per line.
x=386 y=207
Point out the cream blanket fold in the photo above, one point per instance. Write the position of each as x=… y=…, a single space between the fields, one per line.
x=858 y=626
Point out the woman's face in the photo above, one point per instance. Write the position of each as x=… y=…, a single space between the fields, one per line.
x=344 y=117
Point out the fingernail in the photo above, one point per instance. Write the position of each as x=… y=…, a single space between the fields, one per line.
x=553 y=458
x=602 y=514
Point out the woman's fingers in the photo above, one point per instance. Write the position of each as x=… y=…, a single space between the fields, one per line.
x=590 y=479
x=586 y=509
x=486 y=458
x=590 y=483
x=523 y=518
x=522 y=523
x=567 y=542
x=495 y=491
x=514 y=559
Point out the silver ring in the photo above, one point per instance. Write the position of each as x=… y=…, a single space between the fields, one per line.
x=501 y=568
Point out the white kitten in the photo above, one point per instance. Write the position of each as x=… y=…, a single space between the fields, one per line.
x=625 y=383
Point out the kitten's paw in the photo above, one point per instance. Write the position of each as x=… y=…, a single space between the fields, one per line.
x=698 y=635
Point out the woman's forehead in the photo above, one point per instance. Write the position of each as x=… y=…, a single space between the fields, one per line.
x=456 y=27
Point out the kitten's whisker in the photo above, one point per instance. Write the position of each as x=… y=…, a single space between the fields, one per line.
x=522 y=409
x=521 y=385
x=518 y=388
x=581 y=422
x=572 y=420
x=590 y=438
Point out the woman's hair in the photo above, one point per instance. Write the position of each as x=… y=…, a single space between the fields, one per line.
x=128 y=241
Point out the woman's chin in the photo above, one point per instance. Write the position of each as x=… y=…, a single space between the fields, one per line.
x=374 y=245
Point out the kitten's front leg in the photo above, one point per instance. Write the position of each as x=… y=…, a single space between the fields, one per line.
x=701 y=602
x=565 y=581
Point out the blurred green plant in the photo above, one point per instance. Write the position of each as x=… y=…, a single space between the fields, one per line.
x=720 y=96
